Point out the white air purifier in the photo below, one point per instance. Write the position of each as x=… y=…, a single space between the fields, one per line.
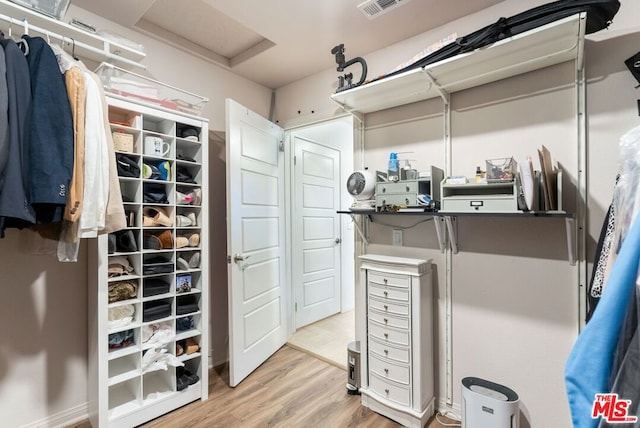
x=489 y=405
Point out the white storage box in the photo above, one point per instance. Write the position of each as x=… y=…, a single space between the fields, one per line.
x=53 y=8
x=487 y=404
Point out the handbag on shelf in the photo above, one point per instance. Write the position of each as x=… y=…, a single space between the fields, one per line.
x=127 y=166
x=155 y=286
x=155 y=194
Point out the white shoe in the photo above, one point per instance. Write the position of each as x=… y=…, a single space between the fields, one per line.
x=184 y=221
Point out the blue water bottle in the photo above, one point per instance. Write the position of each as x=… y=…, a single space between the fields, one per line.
x=393 y=170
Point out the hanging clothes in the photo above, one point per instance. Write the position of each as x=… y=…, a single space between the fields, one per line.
x=590 y=363
x=4 y=117
x=96 y=164
x=50 y=135
x=626 y=363
x=599 y=273
x=76 y=92
x=15 y=208
x=115 y=218
x=601 y=351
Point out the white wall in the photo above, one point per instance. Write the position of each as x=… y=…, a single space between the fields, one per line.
x=515 y=296
x=43 y=338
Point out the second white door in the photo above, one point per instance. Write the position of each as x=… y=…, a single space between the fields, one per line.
x=316 y=231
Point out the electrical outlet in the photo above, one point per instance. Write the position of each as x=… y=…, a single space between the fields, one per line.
x=397 y=237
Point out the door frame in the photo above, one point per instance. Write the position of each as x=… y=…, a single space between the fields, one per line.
x=345 y=123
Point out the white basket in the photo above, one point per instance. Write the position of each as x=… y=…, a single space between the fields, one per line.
x=131 y=85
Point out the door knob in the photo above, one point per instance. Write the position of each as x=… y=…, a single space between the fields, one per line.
x=239 y=258
x=338 y=240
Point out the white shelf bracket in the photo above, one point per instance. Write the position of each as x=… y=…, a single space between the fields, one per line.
x=441 y=232
x=443 y=94
x=363 y=233
x=570 y=222
x=359 y=117
x=452 y=228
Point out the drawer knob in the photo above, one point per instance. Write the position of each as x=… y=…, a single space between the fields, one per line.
x=386 y=335
x=386 y=371
x=408 y=188
x=386 y=321
x=386 y=294
x=387 y=391
x=386 y=308
x=386 y=352
x=385 y=280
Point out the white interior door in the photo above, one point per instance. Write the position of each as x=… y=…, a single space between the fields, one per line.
x=316 y=231
x=255 y=240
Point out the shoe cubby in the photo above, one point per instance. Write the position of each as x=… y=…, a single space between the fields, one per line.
x=124 y=398
x=156 y=287
x=157 y=125
x=157 y=335
x=163 y=185
x=188 y=347
x=123 y=343
x=157 y=385
x=187 y=304
x=188 y=326
x=131 y=191
x=124 y=369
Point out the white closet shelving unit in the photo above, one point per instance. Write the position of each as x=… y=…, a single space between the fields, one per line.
x=554 y=43
x=121 y=393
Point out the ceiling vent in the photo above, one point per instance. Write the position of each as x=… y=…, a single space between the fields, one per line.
x=374 y=8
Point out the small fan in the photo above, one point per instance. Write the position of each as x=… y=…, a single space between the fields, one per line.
x=362 y=186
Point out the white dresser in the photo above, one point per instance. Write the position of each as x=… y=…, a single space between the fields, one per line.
x=397 y=353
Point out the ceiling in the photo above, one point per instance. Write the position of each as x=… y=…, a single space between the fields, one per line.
x=276 y=42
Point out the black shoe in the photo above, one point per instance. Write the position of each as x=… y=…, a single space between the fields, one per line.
x=192 y=378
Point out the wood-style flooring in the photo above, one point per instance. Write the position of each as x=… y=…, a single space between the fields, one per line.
x=327 y=339
x=291 y=389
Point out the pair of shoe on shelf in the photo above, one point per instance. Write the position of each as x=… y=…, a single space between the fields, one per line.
x=188 y=346
x=185 y=378
x=188 y=220
x=155 y=217
x=187 y=262
x=188 y=240
x=158 y=241
x=194 y=197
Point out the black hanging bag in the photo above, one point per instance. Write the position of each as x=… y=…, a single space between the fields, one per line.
x=599 y=16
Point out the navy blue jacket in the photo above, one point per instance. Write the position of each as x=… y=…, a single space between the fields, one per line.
x=50 y=134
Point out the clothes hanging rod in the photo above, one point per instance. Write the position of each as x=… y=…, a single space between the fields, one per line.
x=70 y=41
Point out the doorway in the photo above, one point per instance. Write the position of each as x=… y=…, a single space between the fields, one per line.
x=322 y=250
x=260 y=247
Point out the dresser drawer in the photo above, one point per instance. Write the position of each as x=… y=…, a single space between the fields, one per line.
x=395 y=188
x=389 y=352
x=407 y=199
x=387 y=307
x=388 y=335
x=388 y=279
x=391 y=293
x=388 y=370
x=386 y=389
x=389 y=320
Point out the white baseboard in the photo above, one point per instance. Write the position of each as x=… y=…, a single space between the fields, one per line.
x=454 y=411
x=67 y=417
